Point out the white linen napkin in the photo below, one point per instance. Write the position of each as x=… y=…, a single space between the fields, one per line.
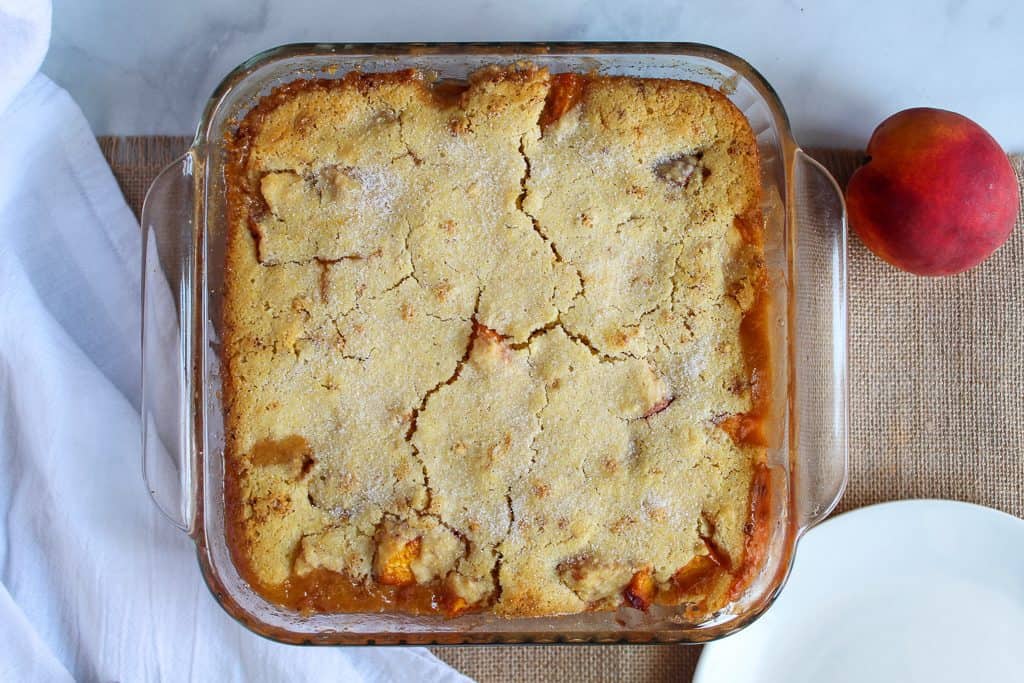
x=94 y=583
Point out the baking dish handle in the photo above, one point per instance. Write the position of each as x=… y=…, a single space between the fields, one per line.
x=820 y=349
x=167 y=259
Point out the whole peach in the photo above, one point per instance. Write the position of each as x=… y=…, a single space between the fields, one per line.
x=937 y=195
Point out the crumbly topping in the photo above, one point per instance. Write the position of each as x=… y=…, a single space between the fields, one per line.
x=486 y=341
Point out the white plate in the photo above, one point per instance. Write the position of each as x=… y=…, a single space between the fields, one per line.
x=924 y=590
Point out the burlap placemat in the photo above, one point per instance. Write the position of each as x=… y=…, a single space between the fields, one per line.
x=936 y=407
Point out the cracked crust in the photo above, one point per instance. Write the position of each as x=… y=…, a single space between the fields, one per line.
x=488 y=347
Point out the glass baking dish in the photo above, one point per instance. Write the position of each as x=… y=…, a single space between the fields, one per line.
x=184 y=225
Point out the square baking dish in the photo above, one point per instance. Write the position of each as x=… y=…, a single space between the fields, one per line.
x=184 y=226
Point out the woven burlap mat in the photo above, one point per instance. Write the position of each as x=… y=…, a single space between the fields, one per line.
x=936 y=408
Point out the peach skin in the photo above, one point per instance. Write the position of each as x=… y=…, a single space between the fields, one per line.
x=937 y=195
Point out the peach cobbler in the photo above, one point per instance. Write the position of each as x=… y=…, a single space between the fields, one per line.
x=495 y=345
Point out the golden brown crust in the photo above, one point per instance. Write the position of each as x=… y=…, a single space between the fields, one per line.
x=480 y=343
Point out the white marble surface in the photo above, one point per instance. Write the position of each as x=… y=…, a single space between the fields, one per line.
x=147 y=66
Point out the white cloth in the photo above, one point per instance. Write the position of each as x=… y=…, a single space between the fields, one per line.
x=94 y=583
x=24 y=37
